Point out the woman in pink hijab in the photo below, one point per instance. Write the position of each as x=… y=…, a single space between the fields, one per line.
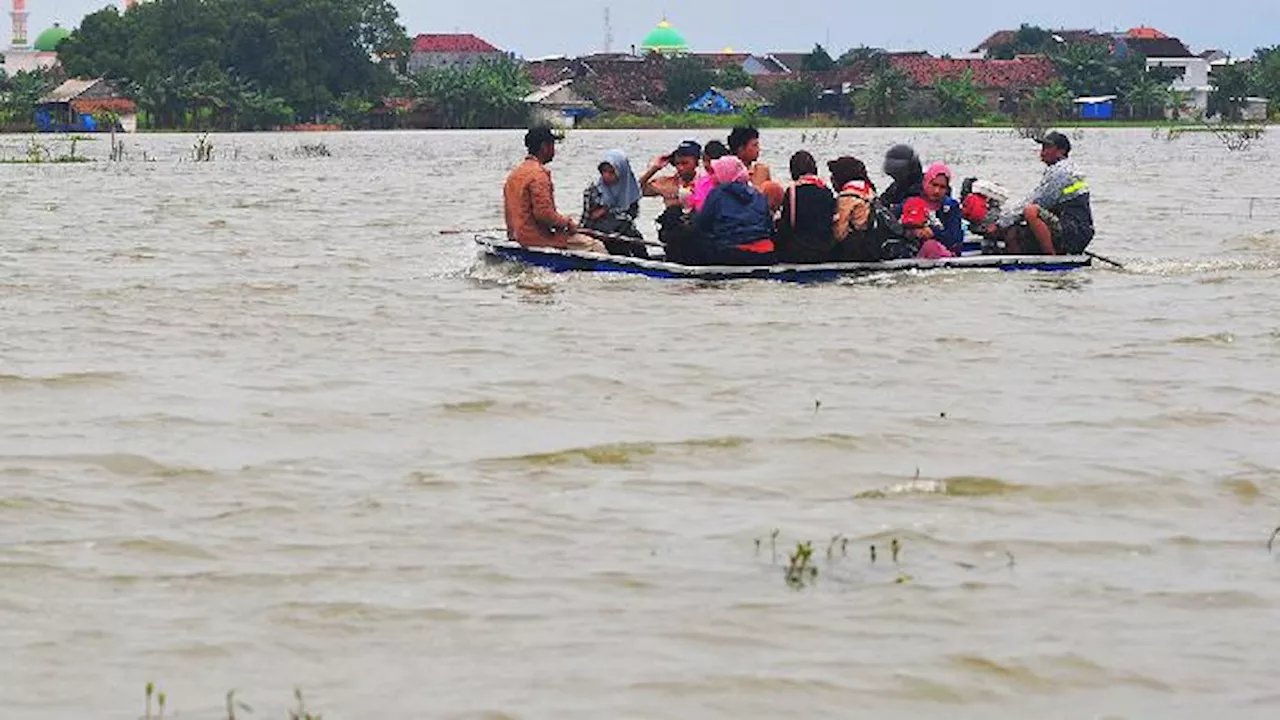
x=944 y=221
x=734 y=225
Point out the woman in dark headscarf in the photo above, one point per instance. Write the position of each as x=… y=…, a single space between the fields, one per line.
x=903 y=165
x=612 y=203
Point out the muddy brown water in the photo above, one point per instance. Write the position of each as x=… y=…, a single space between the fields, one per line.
x=263 y=426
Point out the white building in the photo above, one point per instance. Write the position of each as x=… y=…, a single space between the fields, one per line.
x=1169 y=52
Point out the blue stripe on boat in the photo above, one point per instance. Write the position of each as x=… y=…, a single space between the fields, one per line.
x=571 y=260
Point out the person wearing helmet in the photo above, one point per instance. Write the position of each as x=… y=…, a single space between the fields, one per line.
x=903 y=165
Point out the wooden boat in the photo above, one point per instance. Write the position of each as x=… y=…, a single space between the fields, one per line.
x=558 y=260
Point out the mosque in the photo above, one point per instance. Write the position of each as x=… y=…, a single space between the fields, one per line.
x=664 y=40
x=22 y=54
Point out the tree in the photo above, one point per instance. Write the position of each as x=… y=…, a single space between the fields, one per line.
x=1266 y=76
x=860 y=54
x=488 y=95
x=1027 y=40
x=1145 y=97
x=819 y=60
x=21 y=92
x=192 y=57
x=1087 y=69
x=734 y=76
x=959 y=102
x=686 y=78
x=882 y=100
x=794 y=97
x=1049 y=102
x=1231 y=85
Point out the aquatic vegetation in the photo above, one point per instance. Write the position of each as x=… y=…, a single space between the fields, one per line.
x=232 y=704
x=299 y=712
x=799 y=570
x=202 y=151
x=36 y=153
x=313 y=150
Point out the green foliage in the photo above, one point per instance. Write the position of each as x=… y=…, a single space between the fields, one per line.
x=959 y=102
x=353 y=111
x=884 y=98
x=1028 y=40
x=1144 y=96
x=1050 y=102
x=21 y=92
x=795 y=97
x=819 y=60
x=735 y=77
x=860 y=54
x=686 y=79
x=1266 y=76
x=1231 y=85
x=1088 y=69
x=488 y=95
x=208 y=63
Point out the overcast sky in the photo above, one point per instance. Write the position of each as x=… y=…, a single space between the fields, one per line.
x=547 y=27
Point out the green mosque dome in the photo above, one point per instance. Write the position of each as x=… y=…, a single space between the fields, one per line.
x=49 y=39
x=664 y=39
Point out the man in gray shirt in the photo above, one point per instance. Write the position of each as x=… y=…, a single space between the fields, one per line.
x=1056 y=219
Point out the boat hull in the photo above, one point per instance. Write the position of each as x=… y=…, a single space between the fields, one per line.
x=558 y=260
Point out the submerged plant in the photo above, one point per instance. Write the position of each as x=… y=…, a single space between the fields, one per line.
x=232 y=704
x=301 y=712
x=36 y=152
x=799 y=570
x=313 y=151
x=202 y=151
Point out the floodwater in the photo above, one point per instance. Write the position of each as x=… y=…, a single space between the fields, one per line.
x=263 y=426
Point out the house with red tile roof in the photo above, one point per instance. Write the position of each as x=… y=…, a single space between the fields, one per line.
x=615 y=82
x=449 y=50
x=1003 y=83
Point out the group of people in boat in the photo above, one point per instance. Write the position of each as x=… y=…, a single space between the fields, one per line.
x=723 y=207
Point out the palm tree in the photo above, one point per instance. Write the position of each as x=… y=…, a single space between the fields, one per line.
x=1145 y=97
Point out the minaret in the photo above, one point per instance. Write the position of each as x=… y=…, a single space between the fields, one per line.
x=19 y=16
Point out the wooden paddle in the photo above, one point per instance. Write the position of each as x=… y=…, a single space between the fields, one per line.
x=457 y=231
x=1104 y=259
x=620 y=238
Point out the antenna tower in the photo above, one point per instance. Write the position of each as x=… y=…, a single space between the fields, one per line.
x=608 y=31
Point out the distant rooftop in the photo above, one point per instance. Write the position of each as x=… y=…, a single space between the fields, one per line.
x=451 y=43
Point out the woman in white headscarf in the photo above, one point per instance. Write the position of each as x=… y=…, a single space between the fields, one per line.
x=612 y=203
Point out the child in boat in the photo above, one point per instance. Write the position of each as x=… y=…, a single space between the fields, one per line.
x=854 y=227
x=612 y=203
x=676 y=190
x=981 y=204
x=918 y=223
x=703 y=185
x=804 y=230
